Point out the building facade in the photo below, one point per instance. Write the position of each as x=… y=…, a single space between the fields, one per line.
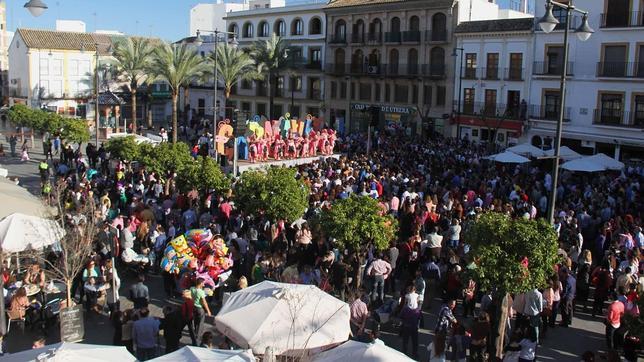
x=492 y=83
x=210 y=16
x=605 y=88
x=4 y=51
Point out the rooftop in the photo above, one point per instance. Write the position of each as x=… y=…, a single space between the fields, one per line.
x=67 y=40
x=348 y=3
x=488 y=26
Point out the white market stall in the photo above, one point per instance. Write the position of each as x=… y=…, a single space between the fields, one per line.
x=291 y=319
x=565 y=153
x=194 y=354
x=583 y=165
x=72 y=352
x=527 y=149
x=18 y=199
x=507 y=157
x=20 y=232
x=607 y=161
x=361 y=352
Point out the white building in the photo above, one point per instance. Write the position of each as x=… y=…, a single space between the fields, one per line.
x=496 y=65
x=605 y=89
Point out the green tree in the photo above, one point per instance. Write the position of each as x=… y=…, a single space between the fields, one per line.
x=75 y=130
x=276 y=193
x=232 y=64
x=271 y=57
x=165 y=157
x=132 y=60
x=203 y=175
x=53 y=122
x=356 y=221
x=22 y=116
x=123 y=148
x=177 y=65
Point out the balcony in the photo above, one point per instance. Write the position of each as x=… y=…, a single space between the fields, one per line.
x=620 y=69
x=374 y=38
x=624 y=20
x=412 y=36
x=436 y=71
x=436 y=36
x=393 y=37
x=551 y=68
x=471 y=73
x=338 y=39
x=357 y=38
x=385 y=70
x=513 y=74
x=493 y=110
x=491 y=73
x=547 y=113
x=619 y=118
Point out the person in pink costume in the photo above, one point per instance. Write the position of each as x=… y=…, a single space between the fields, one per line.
x=305 y=147
x=322 y=142
x=252 y=149
x=313 y=144
x=332 y=139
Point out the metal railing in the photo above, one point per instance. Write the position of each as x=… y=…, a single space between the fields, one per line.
x=515 y=74
x=393 y=37
x=547 y=112
x=438 y=36
x=621 y=69
x=357 y=38
x=411 y=36
x=338 y=38
x=374 y=38
x=389 y=70
x=619 y=118
x=492 y=110
x=622 y=20
x=552 y=68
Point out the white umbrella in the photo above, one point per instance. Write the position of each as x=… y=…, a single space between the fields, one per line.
x=18 y=199
x=289 y=318
x=19 y=232
x=607 y=161
x=507 y=157
x=361 y=352
x=194 y=354
x=565 y=153
x=583 y=165
x=72 y=352
x=527 y=149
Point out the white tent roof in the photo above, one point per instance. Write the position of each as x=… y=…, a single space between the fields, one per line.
x=607 y=161
x=361 y=352
x=198 y=354
x=19 y=232
x=565 y=153
x=18 y=199
x=583 y=165
x=289 y=318
x=507 y=157
x=73 y=352
x=527 y=149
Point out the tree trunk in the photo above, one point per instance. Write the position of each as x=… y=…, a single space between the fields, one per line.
x=174 y=116
x=68 y=286
x=134 y=125
x=271 y=97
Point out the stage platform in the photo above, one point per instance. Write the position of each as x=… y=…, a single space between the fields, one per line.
x=244 y=165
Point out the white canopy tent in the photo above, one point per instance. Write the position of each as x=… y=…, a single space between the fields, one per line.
x=199 y=354
x=291 y=319
x=18 y=199
x=72 y=352
x=361 y=352
x=527 y=149
x=507 y=157
x=564 y=153
x=19 y=232
x=583 y=165
x=607 y=161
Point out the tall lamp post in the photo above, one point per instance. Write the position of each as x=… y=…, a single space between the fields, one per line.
x=96 y=84
x=36 y=7
x=198 y=42
x=548 y=23
x=460 y=88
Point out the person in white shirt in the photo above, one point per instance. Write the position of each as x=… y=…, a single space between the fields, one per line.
x=435 y=242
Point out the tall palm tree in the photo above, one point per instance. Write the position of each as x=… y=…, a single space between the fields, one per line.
x=271 y=57
x=132 y=59
x=177 y=65
x=232 y=64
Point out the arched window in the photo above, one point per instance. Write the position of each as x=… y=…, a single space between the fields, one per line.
x=439 y=27
x=375 y=30
x=297 y=27
x=280 y=28
x=232 y=28
x=374 y=57
x=393 y=61
x=357 y=60
x=395 y=25
x=412 y=61
x=339 y=60
x=248 y=30
x=315 y=26
x=262 y=29
x=414 y=23
x=358 y=32
x=341 y=30
x=437 y=58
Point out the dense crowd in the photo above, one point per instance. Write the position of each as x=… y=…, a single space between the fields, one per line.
x=435 y=187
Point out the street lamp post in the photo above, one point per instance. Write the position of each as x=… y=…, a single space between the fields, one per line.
x=460 y=89
x=198 y=42
x=548 y=23
x=96 y=85
x=36 y=7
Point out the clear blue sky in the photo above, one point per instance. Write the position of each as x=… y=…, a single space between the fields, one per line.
x=166 y=19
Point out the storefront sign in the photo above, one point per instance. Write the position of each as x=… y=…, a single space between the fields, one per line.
x=383 y=108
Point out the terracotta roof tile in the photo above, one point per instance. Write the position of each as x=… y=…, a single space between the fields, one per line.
x=66 y=40
x=346 y=3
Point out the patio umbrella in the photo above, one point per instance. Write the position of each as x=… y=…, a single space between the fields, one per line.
x=17 y=199
x=193 y=354
x=583 y=165
x=19 y=232
x=565 y=153
x=507 y=157
x=361 y=352
x=292 y=319
x=607 y=161
x=72 y=352
x=527 y=149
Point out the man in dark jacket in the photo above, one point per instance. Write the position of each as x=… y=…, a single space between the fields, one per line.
x=172 y=325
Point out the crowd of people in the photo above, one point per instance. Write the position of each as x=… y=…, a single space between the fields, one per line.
x=435 y=187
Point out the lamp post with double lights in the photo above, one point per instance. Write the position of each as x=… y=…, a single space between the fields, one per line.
x=198 y=42
x=36 y=7
x=460 y=89
x=96 y=83
x=548 y=23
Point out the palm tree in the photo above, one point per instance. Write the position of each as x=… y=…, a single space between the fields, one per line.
x=177 y=65
x=232 y=64
x=132 y=60
x=271 y=57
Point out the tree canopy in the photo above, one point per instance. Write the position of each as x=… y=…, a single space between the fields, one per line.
x=123 y=148
x=203 y=174
x=164 y=157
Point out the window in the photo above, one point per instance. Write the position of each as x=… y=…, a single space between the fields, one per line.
x=296 y=53
x=246 y=84
x=401 y=93
x=201 y=106
x=490 y=102
x=56 y=88
x=618 y=13
x=262 y=30
x=560 y=14
x=261 y=109
x=315 y=26
x=412 y=62
x=297 y=27
x=234 y=30
x=73 y=67
x=245 y=106
x=365 y=92
x=248 y=30
x=554 y=60
x=57 y=67
x=296 y=83
x=468 y=100
x=640 y=61
x=315 y=88
x=437 y=56
x=341 y=30
x=551 y=104
x=514 y=103
x=387 y=93
x=492 y=66
x=375 y=31
x=395 y=25
x=638 y=110
x=377 y=92
x=393 y=61
x=439 y=27
x=280 y=28
x=440 y=95
x=279 y=91
x=44 y=89
x=44 y=67
x=353 y=90
x=278 y=109
x=470 y=66
x=315 y=55
x=611 y=108
x=427 y=95
x=516 y=66
x=334 y=90
x=614 y=64
x=414 y=94
x=343 y=90
x=357 y=36
x=414 y=23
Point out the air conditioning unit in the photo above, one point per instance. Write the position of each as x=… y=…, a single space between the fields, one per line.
x=372 y=69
